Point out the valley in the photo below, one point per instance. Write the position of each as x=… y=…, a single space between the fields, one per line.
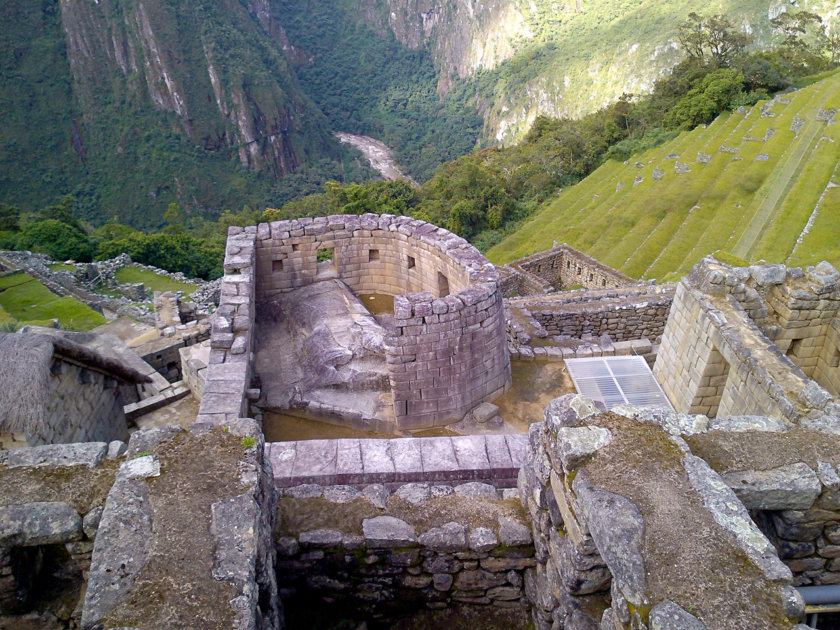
x=381 y=157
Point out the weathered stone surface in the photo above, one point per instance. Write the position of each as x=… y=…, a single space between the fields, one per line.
x=442 y=581
x=442 y=564
x=483 y=412
x=477 y=490
x=116 y=449
x=146 y=440
x=730 y=514
x=478 y=580
x=666 y=615
x=793 y=487
x=341 y=494
x=513 y=533
x=90 y=523
x=140 y=467
x=738 y=424
x=304 y=491
x=567 y=411
x=449 y=537
x=482 y=539
x=121 y=549
x=233 y=524
x=30 y=524
x=320 y=538
x=387 y=531
x=768 y=274
x=377 y=494
x=414 y=493
x=88 y=454
x=617 y=527
x=575 y=444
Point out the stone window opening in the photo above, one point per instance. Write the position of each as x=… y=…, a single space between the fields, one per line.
x=295 y=247
x=411 y=262
x=568 y=264
x=276 y=265
x=834 y=360
x=591 y=277
x=373 y=255
x=603 y=282
x=579 y=271
x=325 y=257
x=794 y=348
x=443 y=285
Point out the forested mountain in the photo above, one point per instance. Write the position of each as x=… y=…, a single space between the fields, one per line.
x=131 y=105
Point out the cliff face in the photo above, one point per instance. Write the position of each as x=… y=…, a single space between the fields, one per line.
x=178 y=58
x=557 y=57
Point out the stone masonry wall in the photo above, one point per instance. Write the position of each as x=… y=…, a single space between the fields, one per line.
x=623 y=314
x=597 y=534
x=53 y=496
x=228 y=375
x=83 y=406
x=718 y=355
x=446 y=351
x=565 y=267
x=381 y=557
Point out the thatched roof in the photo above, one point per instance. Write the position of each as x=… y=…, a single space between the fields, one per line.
x=25 y=362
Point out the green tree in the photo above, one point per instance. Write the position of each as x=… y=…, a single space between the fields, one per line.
x=708 y=99
x=9 y=218
x=57 y=239
x=714 y=40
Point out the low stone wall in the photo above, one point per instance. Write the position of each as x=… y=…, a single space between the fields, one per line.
x=493 y=459
x=445 y=351
x=562 y=267
x=383 y=555
x=586 y=349
x=623 y=314
x=601 y=516
x=52 y=497
x=228 y=376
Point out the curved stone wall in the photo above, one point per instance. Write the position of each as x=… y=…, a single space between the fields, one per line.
x=446 y=352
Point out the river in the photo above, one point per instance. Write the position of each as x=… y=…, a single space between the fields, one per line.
x=380 y=156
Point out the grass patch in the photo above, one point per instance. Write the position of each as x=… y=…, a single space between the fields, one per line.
x=62 y=267
x=661 y=228
x=30 y=302
x=154 y=281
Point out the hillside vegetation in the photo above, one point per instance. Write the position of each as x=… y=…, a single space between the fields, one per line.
x=760 y=183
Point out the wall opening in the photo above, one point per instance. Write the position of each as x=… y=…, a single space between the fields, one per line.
x=326 y=262
x=276 y=265
x=711 y=386
x=295 y=247
x=603 y=282
x=373 y=255
x=568 y=264
x=579 y=270
x=591 y=277
x=411 y=262
x=443 y=285
x=794 y=348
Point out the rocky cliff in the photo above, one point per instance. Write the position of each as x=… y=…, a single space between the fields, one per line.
x=557 y=58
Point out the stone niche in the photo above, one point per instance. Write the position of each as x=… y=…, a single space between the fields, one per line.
x=445 y=347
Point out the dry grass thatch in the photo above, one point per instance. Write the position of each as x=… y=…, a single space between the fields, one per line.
x=25 y=362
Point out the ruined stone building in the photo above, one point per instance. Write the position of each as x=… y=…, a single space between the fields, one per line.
x=57 y=391
x=711 y=516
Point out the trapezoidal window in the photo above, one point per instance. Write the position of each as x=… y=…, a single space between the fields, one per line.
x=591 y=277
x=579 y=271
x=411 y=262
x=568 y=264
x=443 y=285
x=373 y=255
x=295 y=247
x=276 y=265
x=603 y=282
x=326 y=262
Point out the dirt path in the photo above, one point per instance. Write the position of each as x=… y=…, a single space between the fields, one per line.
x=380 y=156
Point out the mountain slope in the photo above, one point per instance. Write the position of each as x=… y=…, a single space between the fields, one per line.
x=760 y=184
x=145 y=102
x=543 y=57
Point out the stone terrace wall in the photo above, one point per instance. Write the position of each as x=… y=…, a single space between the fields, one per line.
x=446 y=351
x=493 y=459
x=83 y=406
x=380 y=556
x=562 y=267
x=228 y=375
x=623 y=314
x=718 y=357
x=597 y=532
